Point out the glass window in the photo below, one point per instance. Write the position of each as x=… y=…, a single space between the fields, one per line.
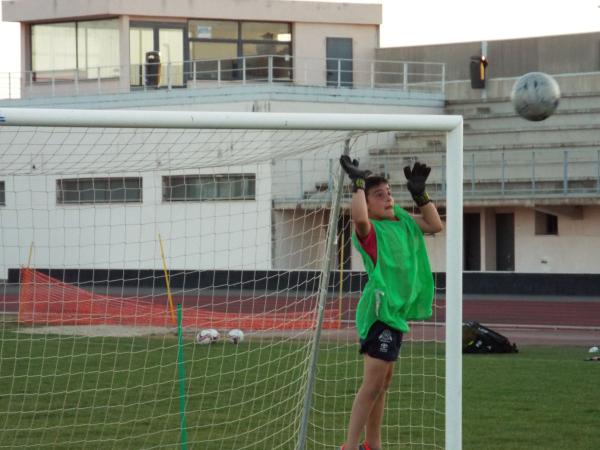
x=209 y=187
x=98 y=47
x=257 y=61
x=53 y=48
x=205 y=56
x=267 y=48
x=99 y=190
x=266 y=31
x=141 y=40
x=59 y=49
x=2 y=194
x=209 y=43
x=212 y=29
x=171 y=56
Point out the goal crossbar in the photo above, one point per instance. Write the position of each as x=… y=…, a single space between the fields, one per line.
x=225 y=120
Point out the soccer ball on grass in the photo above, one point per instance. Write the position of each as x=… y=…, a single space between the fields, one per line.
x=207 y=336
x=235 y=336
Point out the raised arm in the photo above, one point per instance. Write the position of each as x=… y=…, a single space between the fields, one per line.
x=429 y=220
x=360 y=215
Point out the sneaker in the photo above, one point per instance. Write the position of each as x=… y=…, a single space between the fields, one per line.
x=363 y=446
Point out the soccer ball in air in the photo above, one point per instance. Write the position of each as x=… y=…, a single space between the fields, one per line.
x=235 y=336
x=208 y=336
x=535 y=96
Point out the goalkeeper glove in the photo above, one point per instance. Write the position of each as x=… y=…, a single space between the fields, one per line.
x=416 y=182
x=356 y=175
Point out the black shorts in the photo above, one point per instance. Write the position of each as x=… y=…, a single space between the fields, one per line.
x=382 y=342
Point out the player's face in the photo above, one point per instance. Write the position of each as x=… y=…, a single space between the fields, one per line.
x=380 y=202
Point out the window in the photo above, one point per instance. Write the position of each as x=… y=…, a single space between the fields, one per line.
x=546 y=224
x=2 y=194
x=99 y=190
x=213 y=29
x=88 y=48
x=266 y=31
x=53 y=48
x=98 y=47
x=257 y=65
x=205 y=56
x=209 y=187
x=217 y=48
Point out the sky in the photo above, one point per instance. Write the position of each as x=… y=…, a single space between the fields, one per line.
x=9 y=36
x=420 y=22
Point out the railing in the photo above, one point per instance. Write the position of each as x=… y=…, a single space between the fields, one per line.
x=533 y=173
x=284 y=69
x=494 y=175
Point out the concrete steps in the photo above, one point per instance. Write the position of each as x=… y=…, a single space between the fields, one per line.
x=528 y=136
x=502 y=105
x=506 y=158
x=570 y=118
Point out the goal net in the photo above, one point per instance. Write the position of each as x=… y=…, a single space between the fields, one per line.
x=134 y=242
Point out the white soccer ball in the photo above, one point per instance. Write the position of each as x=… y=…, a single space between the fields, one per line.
x=535 y=96
x=594 y=349
x=235 y=336
x=207 y=336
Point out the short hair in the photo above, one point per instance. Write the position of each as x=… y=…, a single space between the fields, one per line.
x=373 y=181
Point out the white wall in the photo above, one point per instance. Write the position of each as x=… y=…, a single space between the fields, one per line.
x=257 y=10
x=299 y=239
x=196 y=235
x=310 y=50
x=574 y=250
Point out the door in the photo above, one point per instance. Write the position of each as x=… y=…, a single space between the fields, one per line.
x=169 y=40
x=505 y=242
x=141 y=41
x=472 y=241
x=339 y=62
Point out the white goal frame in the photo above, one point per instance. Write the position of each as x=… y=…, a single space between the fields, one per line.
x=451 y=125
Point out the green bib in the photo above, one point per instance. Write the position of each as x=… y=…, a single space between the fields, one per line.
x=400 y=286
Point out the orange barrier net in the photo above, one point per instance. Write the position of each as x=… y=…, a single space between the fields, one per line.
x=48 y=301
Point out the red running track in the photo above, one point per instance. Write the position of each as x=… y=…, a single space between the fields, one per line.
x=536 y=311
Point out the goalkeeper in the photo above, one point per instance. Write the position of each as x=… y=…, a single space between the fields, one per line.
x=400 y=286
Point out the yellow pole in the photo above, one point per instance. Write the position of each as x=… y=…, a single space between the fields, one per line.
x=166 y=272
x=30 y=253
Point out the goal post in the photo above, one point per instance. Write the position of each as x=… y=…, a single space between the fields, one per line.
x=56 y=160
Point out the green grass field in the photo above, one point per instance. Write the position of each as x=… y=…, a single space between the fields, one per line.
x=76 y=392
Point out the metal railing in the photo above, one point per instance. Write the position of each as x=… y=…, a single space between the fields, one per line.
x=495 y=175
x=285 y=69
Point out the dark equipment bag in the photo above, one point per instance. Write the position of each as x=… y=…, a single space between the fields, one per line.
x=480 y=339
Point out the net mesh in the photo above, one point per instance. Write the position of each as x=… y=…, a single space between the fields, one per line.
x=106 y=231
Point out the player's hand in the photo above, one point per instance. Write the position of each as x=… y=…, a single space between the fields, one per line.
x=416 y=179
x=354 y=173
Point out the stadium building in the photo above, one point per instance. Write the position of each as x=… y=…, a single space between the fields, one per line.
x=532 y=190
x=150 y=220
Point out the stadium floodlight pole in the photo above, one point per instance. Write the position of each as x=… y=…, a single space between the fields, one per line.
x=323 y=289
